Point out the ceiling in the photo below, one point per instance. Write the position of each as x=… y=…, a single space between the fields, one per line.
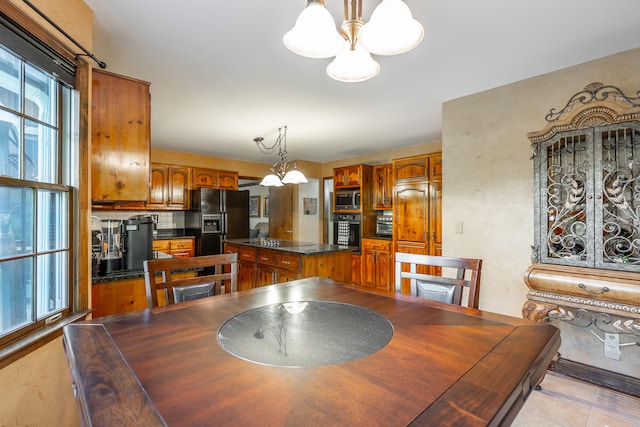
x=220 y=75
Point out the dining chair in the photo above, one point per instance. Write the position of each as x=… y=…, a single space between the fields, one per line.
x=433 y=285
x=212 y=272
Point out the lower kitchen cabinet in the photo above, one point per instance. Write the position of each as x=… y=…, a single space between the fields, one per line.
x=266 y=266
x=123 y=295
x=179 y=248
x=355 y=268
x=377 y=265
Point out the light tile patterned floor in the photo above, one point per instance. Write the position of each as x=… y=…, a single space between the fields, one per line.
x=564 y=401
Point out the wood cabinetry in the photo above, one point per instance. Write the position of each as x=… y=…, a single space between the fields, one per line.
x=122 y=296
x=382 y=187
x=348 y=176
x=179 y=248
x=169 y=187
x=356 y=264
x=417 y=206
x=266 y=266
x=377 y=264
x=212 y=178
x=120 y=138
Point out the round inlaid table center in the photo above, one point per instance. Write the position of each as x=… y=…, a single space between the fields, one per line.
x=305 y=333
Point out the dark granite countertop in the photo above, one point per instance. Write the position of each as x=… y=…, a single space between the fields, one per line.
x=303 y=248
x=171 y=233
x=127 y=274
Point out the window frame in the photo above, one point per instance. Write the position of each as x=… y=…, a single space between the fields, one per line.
x=41 y=331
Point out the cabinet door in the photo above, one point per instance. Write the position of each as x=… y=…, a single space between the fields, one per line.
x=369 y=275
x=356 y=262
x=246 y=275
x=227 y=180
x=178 y=196
x=411 y=212
x=266 y=275
x=384 y=270
x=411 y=248
x=158 y=194
x=348 y=176
x=411 y=169
x=382 y=187
x=120 y=142
x=202 y=178
x=285 y=275
x=435 y=167
x=435 y=218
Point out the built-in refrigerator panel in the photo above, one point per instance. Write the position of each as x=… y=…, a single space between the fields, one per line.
x=216 y=215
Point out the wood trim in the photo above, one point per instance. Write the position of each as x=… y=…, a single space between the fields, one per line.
x=37 y=30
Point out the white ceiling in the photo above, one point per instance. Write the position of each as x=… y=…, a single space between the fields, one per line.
x=220 y=75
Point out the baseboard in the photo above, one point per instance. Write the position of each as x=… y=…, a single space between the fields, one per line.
x=597 y=376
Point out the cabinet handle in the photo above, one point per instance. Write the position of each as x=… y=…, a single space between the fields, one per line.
x=584 y=287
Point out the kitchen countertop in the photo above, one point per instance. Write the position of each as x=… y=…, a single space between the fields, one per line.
x=303 y=248
x=127 y=274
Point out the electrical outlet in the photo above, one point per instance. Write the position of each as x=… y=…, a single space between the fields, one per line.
x=612 y=346
x=459 y=227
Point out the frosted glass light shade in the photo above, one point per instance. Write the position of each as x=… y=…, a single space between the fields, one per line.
x=314 y=35
x=294 y=176
x=391 y=29
x=271 y=180
x=351 y=66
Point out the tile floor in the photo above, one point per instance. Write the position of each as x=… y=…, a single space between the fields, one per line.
x=567 y=402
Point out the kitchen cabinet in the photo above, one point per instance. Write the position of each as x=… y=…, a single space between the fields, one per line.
x=120 y=138
x=348 y=176
x=213 y=178
x=417 y=207
x=247 y=268
x=377 y=265
x=259 y=266
x=179 y=247
x=411 y=169
x=121 y=296
x=169 y=187
x=356 y=263
x=382 y=187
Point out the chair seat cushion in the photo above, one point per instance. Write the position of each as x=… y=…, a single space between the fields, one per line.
x=435 y=291
x=191 y=292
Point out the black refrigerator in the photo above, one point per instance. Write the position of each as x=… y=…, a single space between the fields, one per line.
x=217 y=215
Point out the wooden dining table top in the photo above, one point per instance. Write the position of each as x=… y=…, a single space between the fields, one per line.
x=444 y=365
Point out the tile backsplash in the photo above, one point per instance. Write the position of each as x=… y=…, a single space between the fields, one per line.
x=166 y=220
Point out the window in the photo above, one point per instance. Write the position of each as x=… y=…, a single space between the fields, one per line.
x=38 y=176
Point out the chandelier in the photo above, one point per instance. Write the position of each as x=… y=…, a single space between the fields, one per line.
x=282 y=172
x=390 y=31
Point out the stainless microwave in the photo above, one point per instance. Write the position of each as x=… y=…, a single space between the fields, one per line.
x=347 y=200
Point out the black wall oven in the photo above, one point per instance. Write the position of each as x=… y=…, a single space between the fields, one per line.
x=346 y=230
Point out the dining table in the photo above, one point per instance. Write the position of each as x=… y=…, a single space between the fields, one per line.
x=309 y=352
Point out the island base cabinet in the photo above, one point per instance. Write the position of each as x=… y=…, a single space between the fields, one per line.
x=122 y=296
x=263 y=267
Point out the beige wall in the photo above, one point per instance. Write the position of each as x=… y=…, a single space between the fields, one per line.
x=488 y=174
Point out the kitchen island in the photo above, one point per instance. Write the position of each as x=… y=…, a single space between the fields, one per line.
x=265 y=261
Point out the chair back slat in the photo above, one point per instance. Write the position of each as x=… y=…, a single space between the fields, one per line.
x=158 y=275
x=462 y=266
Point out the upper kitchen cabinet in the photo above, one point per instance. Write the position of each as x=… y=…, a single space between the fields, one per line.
x=411 y=169
x=348 y=176
x=383 y=187
x=120 y=138
x=169 y=187
x=212 y=178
